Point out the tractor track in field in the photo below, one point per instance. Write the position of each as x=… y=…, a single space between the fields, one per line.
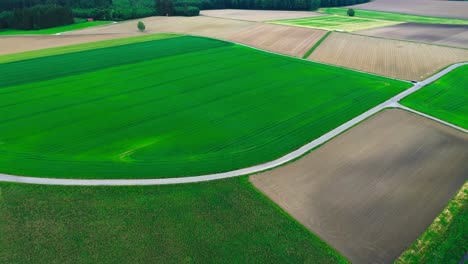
x=390 y=103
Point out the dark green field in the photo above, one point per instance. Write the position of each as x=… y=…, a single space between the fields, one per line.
x=446 y=98
x=172 y=107
x=224 y=221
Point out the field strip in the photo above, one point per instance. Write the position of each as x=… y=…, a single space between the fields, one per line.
x=392 y=102
x=397 y=105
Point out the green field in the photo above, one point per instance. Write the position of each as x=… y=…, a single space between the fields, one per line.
x=336 y=22
x=393 y=16
x=225 y=221
x=54 y=30
x=173 y=107
x=446 y=239
x=446 y=98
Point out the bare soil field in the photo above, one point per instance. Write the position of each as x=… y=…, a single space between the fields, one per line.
x=373 y=190
x=276 y=38
x=13 y=44
x=392 y=58
x=449 y=35
x=257 y=15
x=437 y=8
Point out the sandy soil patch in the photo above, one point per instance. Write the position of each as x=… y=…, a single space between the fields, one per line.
x=392 y=58
x=14 y=44
x=437 y=8
x=449 y=35
x=373 y=190
x=276 y=38
x=257 y=15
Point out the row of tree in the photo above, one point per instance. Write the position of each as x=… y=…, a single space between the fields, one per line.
x=36 y=17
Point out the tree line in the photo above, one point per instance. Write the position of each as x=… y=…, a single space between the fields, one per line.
x=38 y=14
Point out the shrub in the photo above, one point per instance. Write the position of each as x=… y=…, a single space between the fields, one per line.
x=350 y=12
x=141 y=26
x=6 y=18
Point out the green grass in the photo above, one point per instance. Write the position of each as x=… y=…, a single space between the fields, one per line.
x=315 y=46
x=174 y=107
x=225 y=221
x=336 y=22
x=82 y=47
x=446 y=239
x=446 y=98
x=54 y=30
x=393 y=16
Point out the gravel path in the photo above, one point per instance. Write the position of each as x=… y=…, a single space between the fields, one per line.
x=392 y=102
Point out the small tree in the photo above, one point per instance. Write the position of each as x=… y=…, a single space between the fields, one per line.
x=141 y=26
x=350 y=12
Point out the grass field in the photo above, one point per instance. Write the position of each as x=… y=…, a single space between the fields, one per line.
x=366 y=14
x=446 y=98
x=446 y=240
x=54 y=30
x=170 y=108
x=336 y=22
x=215 y=222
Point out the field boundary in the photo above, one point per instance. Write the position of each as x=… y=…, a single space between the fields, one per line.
x=316 y=45
x=392 y=102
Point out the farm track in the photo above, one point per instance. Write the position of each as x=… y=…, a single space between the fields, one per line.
x=393 y=102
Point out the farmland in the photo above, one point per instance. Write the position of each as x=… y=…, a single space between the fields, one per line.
x=257 y=15
x=392 y=58
x=369 y=199
x=447 y=35
x=209 y=118
x=214 y=222
x=389 y=16
x=447 y=9
x=335 y=22
x=446 y=99
x=54 y=30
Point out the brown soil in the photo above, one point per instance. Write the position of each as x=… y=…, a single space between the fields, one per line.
x=437 y=8
x=257 y=15
x=276 y=38
x=392 y=58
x=449 y=35
x=373 y=190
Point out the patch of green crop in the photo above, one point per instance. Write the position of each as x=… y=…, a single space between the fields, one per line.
x=446 y=98
x=54 y=30
x=336 y=22
x=393 y=16
x=225 y=221
x=446 y=239
x=82 y=47
x=316 y=45
x=174 y=107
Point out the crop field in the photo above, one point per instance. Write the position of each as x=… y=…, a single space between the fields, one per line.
x=446 y=98
x=54 y=30
x=287 y=40
x=447 y=9
x=176 y=110
x=392 y=58
x=257 y=15
x=215 y=222
x=447 y=35
x=334 y=22
x=373 y=190
x=388 y=16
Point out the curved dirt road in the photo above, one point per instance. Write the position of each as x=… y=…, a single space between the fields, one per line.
x=392 y=102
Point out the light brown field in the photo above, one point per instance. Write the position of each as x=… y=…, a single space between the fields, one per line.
x=392 y=58
x=437 y=8
x=373 y=190
x=276 y=38
x=257 y=15
x=448 y=35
